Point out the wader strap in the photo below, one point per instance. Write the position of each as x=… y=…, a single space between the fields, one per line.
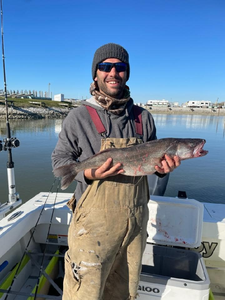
x=96 y=119
x=138 y=119
x=100 y=127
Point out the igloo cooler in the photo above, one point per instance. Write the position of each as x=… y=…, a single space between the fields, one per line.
x=170 y=271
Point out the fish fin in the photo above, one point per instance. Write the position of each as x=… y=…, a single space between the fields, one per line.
x=68 y=173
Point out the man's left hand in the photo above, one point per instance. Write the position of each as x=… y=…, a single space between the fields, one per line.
x=168 y=164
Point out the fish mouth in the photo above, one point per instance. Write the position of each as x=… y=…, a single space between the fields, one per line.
x=199 y=151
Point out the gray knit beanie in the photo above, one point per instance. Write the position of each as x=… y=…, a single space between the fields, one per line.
x=108 y=51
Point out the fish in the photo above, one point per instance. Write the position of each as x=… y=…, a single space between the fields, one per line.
x=137 y=160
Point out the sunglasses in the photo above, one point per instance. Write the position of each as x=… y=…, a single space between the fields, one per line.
x=107 y=67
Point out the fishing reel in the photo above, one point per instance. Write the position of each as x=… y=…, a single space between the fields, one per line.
x=9 y=143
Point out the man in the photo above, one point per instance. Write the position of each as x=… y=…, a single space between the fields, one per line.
x=107 y=234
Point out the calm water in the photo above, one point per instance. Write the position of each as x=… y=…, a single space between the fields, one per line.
x=202 y=178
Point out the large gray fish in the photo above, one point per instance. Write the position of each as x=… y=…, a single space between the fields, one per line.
x=136 y=160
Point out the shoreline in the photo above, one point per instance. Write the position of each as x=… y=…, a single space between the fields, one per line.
x=34 y=113
x=187 y=111
x=59 y=113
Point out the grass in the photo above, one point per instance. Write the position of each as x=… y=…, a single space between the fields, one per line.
x=26 y=102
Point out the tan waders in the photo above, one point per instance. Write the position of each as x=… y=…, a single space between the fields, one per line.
x=107 y=237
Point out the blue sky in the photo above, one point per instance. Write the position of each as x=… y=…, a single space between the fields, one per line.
x=176 y=47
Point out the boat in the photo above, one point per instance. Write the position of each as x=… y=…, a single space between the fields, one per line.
x=33 y=241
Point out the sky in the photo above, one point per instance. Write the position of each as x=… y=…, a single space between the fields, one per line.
x=176 y=47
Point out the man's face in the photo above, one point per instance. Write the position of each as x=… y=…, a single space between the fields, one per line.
x=111 y=83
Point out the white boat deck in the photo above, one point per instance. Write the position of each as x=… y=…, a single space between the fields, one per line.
x=15 y=229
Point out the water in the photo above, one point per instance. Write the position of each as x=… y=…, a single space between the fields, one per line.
x=202 y=178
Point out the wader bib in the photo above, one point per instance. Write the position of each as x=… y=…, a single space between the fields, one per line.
x=107 y=237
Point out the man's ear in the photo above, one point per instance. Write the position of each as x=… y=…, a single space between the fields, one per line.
x=96 y=83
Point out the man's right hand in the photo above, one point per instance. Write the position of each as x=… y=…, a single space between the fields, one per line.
x=106 y=170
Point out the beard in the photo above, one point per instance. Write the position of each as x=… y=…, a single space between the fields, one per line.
x=112 y=91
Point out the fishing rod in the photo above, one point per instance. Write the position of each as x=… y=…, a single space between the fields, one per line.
x=9 y=142
x=7 y=145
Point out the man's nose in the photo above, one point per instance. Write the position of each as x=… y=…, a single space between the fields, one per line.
x=113 y=71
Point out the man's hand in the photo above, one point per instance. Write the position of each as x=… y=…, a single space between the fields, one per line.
x=168 y=164
x=104 y=171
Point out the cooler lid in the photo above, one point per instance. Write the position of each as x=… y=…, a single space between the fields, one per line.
x=174 y=221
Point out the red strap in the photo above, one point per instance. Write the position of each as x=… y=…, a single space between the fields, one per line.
x=96 y=119
x=100 y=127
x=138 y=119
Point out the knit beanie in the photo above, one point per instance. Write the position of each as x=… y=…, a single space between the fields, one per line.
x=108 y=51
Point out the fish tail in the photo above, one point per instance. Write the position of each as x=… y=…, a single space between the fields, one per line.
x=67 y=173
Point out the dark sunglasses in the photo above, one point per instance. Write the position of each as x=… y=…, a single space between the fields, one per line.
x=107 y=67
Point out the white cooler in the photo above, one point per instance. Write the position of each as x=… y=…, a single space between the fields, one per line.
x=169 y=271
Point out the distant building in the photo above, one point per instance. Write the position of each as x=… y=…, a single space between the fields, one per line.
x=23 y=94
x=198 y=104
x=162 y=102
x=59 y=97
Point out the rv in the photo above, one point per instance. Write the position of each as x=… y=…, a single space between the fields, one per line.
x=199 y=104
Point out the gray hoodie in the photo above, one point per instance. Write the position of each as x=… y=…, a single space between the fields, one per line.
x=79 y=134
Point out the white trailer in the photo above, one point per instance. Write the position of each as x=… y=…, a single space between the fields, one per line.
x=199 y=104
